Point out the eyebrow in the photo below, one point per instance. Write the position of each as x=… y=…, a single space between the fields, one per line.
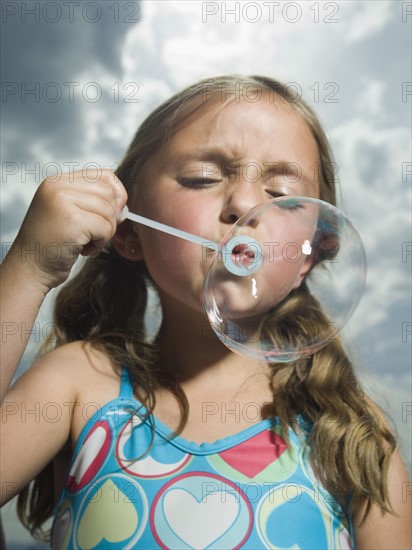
x=213 y=154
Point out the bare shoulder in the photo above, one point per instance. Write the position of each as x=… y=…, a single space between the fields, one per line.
x=72 y=376
x=86 y=355
x=92 y=376
x=43 y=410
x=75 y=372
x=78 y=354
x=76 y=364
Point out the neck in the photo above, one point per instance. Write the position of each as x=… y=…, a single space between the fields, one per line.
x=197 y=358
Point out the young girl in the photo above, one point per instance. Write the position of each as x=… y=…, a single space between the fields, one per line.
x=139 y=443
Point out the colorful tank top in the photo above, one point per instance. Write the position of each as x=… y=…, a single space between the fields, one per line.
x=131 y=486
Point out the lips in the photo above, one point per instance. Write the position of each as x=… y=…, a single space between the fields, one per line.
x=243 y=255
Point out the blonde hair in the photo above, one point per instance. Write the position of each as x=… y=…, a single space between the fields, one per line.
x=350 y=443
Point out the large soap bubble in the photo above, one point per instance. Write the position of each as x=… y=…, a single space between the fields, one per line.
x=286 y=279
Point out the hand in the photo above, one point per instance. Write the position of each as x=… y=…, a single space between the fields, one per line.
x=76 y=214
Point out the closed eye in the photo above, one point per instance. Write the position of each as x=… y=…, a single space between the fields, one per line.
x=197 y=182
x=275 y=194
x=291 y=203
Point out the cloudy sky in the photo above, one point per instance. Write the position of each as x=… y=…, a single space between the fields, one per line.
x=77 y=79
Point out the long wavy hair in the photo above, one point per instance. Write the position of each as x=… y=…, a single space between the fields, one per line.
x=350 y=442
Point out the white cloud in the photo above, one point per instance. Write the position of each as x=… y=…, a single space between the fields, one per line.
x=371 y=98
x=364 y=19
x=191 y=46
x=370 y=158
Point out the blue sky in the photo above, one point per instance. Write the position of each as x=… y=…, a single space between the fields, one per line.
x=351 y=60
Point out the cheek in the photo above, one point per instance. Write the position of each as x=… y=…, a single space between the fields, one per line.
x=178 y=266
x=175 y=265
x=194 y=217
x=173 y=250
x=161 y=251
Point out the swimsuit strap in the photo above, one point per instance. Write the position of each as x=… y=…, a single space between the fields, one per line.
x=126 y=387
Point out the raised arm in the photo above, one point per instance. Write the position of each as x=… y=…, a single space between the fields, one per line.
x=76 y=214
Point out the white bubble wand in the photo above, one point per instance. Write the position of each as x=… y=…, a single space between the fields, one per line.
x=241 y=255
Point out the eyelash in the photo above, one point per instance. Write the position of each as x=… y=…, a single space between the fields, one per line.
x=197 y=182
x=291 y=204
x=275 y=194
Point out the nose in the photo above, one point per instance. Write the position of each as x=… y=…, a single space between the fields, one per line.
x=240 y=198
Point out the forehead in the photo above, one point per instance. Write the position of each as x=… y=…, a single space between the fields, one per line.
x=265 y=130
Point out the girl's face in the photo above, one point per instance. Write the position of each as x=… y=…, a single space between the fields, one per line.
x=227 y=160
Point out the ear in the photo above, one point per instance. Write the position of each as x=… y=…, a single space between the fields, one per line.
x=126 y=242
x=306 y=267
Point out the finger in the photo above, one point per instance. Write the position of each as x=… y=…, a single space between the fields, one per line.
x=99 y=232
x=96 y=204
x=117 y=187
x=123 y=214
x=90 y=250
